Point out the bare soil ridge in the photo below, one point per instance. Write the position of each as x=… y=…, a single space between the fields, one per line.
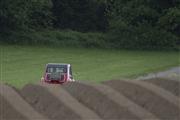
x=123 y=101
x=63 y=96
x=147 y=99
x=19 y=104
x=169 y=85
x=157 y=90
x=47 y=104
x=154 y=99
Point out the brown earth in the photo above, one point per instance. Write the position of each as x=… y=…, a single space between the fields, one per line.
x=46 y=103
x=72 y=103
x=97 y=101
x=147 y=99
x=171 y=85
x=18 y=103
x=112 y=100
x=8 y=112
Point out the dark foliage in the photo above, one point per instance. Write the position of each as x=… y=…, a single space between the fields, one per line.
x=80 y=15
x=144 y=24
x=129 y=24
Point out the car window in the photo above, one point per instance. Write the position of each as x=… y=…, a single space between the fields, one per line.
x=56 y=70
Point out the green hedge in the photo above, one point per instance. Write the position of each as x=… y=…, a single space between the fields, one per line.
x=143 y=36
x=55 y=38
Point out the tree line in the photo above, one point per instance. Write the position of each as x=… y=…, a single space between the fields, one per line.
x=145 y=24
x=80 y=15
x=130 y=24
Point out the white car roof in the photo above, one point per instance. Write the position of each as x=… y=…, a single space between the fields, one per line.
x=58 y=64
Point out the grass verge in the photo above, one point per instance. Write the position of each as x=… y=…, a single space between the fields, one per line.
x=24 y=64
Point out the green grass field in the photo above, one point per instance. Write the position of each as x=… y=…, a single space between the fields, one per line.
x=22 y=65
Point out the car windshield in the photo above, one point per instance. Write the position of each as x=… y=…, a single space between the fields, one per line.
x=56 y=69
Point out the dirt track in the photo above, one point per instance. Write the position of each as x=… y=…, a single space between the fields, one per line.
x=172 y=74
x=155 y=99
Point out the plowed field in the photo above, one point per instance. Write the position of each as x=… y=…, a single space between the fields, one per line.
x=155 y=99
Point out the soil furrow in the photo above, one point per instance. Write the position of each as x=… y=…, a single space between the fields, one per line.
x=7 y=111
x=147 y=99
x=63 y=96
x=157 y=90
x=48 y=104
x=153 y=99
x=171 y=85
x=125 y=102
x=99 y=102
x=19 y=104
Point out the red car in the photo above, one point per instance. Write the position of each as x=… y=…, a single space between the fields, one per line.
x=57 y=73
